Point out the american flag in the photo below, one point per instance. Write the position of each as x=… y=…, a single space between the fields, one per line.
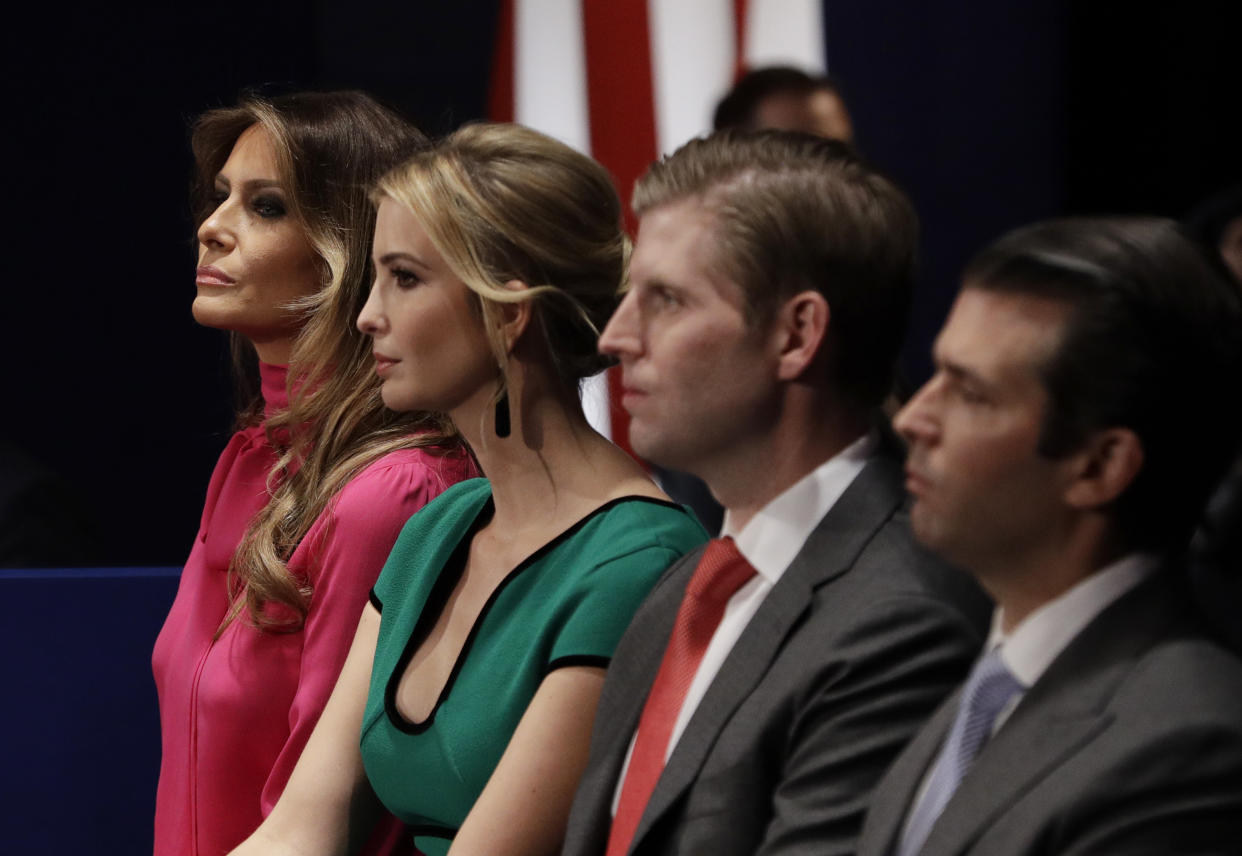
x=627 y=80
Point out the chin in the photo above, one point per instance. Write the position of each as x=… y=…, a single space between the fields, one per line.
x=645 y=446
x=393 y=400
x=208 y=314
x=662 y=451
x=225 y=311
x=924 y=528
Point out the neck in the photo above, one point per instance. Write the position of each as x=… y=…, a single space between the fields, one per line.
x=273 y=386
x=553 y=463
x=765 y=466
x=1027 y=579
x=276 y=352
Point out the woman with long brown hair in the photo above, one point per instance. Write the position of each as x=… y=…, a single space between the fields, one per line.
x=319 y=478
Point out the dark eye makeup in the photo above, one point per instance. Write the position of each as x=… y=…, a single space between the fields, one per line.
x=268 y=205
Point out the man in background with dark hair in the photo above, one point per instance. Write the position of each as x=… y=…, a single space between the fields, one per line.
x=786 y=99
x=768 y=680
x=1084 y=403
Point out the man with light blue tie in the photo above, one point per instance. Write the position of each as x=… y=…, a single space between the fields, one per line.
x=1084 y=403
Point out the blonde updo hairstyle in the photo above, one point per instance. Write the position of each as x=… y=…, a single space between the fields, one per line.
x=502 y=203
x=330 y=148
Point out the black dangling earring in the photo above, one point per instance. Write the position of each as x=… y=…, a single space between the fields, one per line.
x=502 y=415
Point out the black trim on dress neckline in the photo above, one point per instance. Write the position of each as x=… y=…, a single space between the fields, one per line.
x=443 y=587
x=427 y=830
x=577 y=660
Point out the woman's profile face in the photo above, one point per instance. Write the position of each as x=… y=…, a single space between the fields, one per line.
x=430 y=347
x=253 y=257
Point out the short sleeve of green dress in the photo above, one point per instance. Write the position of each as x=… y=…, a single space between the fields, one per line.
x=566 y=604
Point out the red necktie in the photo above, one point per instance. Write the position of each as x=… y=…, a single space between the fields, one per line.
x=721 y=572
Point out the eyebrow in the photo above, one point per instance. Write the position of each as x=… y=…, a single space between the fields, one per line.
x=961 y=373
x=389 y=258
x=252 y=184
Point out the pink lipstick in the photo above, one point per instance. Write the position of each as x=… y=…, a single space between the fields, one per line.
x=210 y=275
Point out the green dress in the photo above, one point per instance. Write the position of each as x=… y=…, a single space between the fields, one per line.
x=566 y=604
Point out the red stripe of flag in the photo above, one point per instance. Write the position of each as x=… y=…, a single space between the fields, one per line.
x=740 y=8
x=620 y=91
x=622 y=109
x=500 y=107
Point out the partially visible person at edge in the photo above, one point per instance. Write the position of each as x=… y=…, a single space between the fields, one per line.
x=1216 y=224
x=784 y=98
x=1084 y=403
x=499 y=255
x=311 y=491
x=1216 y=550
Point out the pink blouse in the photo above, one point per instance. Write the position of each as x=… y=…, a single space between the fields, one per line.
x=236 y=712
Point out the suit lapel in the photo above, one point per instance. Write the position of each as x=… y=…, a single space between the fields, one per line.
x=1014 y=762
x=630 y=676
x=740 y=672
x=829 y=551
x=1065 y=710
x=899 y=786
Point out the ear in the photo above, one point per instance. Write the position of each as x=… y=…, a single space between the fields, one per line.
x=1107 y=464
x=514 y=317
x=801 y=325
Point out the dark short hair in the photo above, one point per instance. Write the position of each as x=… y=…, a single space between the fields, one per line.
x=1151 y=344
x=738 y=108
x=795 y=212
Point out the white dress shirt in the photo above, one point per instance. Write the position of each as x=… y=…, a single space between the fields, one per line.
x=1040 y=637
x=769 y=541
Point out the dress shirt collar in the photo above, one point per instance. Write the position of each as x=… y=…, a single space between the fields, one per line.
x=773 y=537
x=1042 y=635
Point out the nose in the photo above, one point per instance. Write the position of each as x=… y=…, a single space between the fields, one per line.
x=216 y=231
x=371 y=319
x=622 y=336
x=916 y=422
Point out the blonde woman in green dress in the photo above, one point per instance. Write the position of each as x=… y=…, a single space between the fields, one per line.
x=467 y=700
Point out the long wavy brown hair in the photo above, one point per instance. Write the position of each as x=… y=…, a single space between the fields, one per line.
x=331 y=147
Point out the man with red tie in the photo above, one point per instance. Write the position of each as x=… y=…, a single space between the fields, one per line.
x=768 y=680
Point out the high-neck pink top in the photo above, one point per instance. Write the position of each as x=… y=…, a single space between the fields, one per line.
x=236 y=712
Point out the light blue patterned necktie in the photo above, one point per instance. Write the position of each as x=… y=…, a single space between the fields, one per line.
x=988 y=689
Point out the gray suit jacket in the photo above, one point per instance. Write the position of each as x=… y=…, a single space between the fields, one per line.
x=847 y=656
x=1131 y=742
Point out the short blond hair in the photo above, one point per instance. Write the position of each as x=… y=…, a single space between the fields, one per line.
x=795 y=212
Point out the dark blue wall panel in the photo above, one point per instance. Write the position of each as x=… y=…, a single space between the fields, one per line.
x=79 y=756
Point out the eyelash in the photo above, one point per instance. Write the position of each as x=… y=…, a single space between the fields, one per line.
x=663 y=298
x=969 y=396
x=266 y=207
x=404 y=277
